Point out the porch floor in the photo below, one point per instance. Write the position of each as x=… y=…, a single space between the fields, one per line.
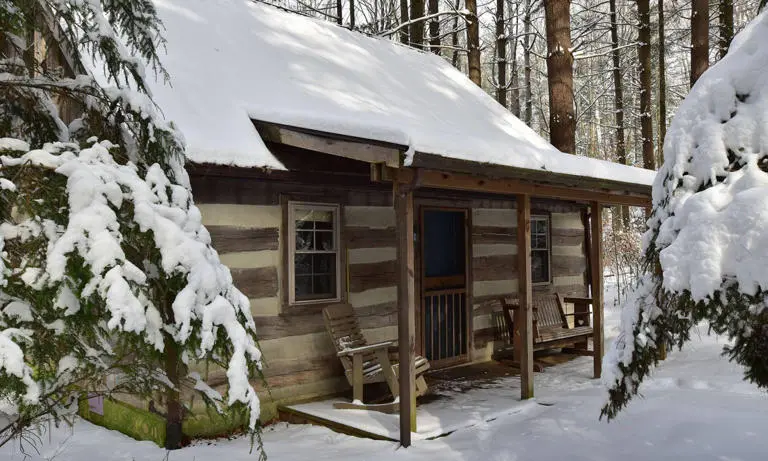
x=460 y=397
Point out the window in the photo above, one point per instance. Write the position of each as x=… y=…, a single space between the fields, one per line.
x=540 y=249
x=313 y=242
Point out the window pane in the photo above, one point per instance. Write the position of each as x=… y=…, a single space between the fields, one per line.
x=539 y=241
x=539 y=266
x=303 y=286
x=302 y=263
x=324 y=263
x=324 y=240
x=301 y=225
x=324 y=286
x=541 y=226
x=304 y=240
x=303 y=218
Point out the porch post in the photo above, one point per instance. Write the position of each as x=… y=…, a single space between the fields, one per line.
x=598 y=338
x=525 y=289
x=406 y=324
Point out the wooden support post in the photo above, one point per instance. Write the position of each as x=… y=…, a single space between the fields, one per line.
x=598 y=338
x=406 y=326
x=525 y=294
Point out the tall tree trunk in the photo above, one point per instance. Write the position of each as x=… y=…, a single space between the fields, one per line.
x=404 y=16
x=455 y=37
x=434 y=26
x=473 y=42
x=662 y=83
x=416 y=29
x=514 y=78
x=339 y=12
x=618 y=100
x=699 y=38
x=646 y=92
x=725 y=17
x=562 y=120
x=173 y=417
x=501 y=55
x=351 y=14
x=173 y=408
x=527 y=44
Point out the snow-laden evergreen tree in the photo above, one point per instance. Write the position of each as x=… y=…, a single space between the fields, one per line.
x=108 y=281
x=707 y=243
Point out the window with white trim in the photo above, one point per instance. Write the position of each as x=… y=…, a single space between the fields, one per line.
x=540 y=249
x=314 y=257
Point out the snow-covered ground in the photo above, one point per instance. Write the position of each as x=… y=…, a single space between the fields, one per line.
x=696 y=407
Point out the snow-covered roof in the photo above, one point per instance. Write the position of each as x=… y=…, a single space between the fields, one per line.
x=232 y=61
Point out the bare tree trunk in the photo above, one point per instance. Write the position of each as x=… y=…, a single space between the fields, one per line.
x=662 y=83
x=618 y=101
x=403 y=19
x=527 y=44
x=501 y=55
x=173 y=415
x=351 y=14
x=416 y=32
x=646 y=92
x=339 y=12
x=455 y=38
x=514 y=78
x=434 y=27
x=562 y=120
x=699 y=38
x=473 y=42
x=725 y=17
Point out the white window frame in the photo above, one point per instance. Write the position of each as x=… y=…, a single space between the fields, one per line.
x=336 y=210
x=548 y=221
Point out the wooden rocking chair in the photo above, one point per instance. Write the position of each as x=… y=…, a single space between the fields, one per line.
x=366 y=363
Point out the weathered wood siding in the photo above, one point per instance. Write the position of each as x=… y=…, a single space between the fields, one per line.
x=494 y=265
x=299 y=358
x=245 y=218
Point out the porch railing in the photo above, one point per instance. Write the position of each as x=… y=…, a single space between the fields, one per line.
x=445 y=324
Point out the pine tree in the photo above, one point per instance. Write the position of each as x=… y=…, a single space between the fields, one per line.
x=109 y=281
x=705 y=251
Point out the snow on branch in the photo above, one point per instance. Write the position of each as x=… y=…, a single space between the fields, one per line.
x=124 y=256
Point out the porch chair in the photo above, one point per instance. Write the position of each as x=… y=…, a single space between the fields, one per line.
x=366 y=363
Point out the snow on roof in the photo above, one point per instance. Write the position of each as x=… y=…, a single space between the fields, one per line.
x=231 y=61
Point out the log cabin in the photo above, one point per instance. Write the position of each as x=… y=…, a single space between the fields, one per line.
x=334 y=167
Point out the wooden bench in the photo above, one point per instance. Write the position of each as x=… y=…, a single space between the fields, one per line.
x=366 y=363
x=550 y=322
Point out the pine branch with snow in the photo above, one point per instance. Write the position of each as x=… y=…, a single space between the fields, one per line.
x=706 y=247
x=109 y=281
x=104 y=269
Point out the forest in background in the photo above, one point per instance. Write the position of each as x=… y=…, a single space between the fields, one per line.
x=610 y=43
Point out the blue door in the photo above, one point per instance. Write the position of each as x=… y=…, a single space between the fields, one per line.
x=444 y=285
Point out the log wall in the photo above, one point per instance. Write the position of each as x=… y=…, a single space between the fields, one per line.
x=246 y=220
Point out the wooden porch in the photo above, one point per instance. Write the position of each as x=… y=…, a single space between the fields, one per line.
x=438 y=174
x=461 y=397
x=406 y=180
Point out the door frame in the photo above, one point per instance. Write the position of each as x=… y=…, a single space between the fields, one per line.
x=453 y=206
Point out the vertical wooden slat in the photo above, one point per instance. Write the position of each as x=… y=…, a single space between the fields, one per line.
x=456 y=327
x=403 y=200
x=357 y=378
x=597 y=287
x=525 y=291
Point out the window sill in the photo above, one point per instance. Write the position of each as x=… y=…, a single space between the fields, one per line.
x=308 y=307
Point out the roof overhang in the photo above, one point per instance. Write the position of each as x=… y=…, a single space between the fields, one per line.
x=436 y=171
